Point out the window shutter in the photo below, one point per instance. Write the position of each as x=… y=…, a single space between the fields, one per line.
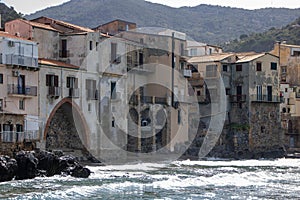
x=47 y=80
x=56 y=81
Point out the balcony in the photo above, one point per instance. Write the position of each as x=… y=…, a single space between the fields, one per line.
x=53 y=92
x=27 y=91
x=135 y=100
x=64 y=53
x=265 y=98
x=92 y=94
x=238 y=98
x=140 y=68
x=12 y=59
x=73 y=92
x=187 y=73
x=196 y=80
x=18 y=137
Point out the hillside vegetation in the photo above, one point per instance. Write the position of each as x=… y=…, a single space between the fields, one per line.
x=262 y=42
x=205 y=23
x=8 y=14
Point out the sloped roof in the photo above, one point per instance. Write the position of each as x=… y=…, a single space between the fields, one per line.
x=210 y=58
x=5 y=34
x=66 y=24
x=242 y=58
x=56 y=63
x=39 y=25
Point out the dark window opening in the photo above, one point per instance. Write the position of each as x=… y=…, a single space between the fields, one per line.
x=91 y=45
x=273 y=66
x=1 y=78
x=113 y=92
x=51 y=80
x=64 y=51
x=225 y=68
x=239 y=68
x=258 y=66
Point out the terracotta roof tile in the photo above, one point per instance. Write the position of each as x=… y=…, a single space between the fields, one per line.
x=56 y=63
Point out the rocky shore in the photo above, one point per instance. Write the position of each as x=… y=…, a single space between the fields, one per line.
x=31 y=164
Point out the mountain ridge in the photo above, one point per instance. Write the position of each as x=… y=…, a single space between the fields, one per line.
x=205 y=23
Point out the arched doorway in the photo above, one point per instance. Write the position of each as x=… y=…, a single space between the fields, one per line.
x=66 y=130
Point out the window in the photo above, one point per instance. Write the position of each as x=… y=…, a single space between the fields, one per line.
x=113 y=52
x=225 y=68
x=286 y=89
x=1 y=104
x=51 y=80
x=97 y=44
x=262 y=128
x=239 y=68
x=90 y=86
x=1 y=78
x=141 y=58
x=227 y=91
x=22 y=104
x=179 y=117
x=91 y=45
x=283 y=69
x=113 y=122
x=258 y=66
x=193 y=52
x=72 y=82
x=211 y=70
x=182 y=49
x=89 y=107
x=113 y=90
x=273 y=66
x=64 y=51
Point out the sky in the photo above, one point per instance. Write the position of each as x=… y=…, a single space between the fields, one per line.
x=31 y=6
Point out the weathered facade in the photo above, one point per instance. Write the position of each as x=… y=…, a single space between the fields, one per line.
x=290 y=108
x=19 y=120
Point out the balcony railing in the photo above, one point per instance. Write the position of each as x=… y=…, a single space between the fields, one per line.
x=265 y=98
x=53 y=92
x=64 y=53
x=18 y=137
x=237 y=98
x=73 y=92
x=21 y=60
x=18 y=90
x=92 y=94
x=134 y=100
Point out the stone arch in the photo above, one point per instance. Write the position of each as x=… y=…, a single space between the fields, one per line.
x=71 y=111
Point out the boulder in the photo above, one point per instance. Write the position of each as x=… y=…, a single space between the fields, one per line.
x=27 y=165
x=8 y=168
x=48 y=162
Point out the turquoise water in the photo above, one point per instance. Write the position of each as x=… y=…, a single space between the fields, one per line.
x=251 y=179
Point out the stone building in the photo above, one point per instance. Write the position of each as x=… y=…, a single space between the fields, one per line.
x=289 y=56
x=116 y=26
x=19 y=120
x=254 y=115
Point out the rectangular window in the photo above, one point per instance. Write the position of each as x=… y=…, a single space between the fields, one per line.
x=113 y=90
x=273 y=66
x=141 y=58
x=1 y=78
x=113 y=52
x=258 y=66
x=90 y=86
x=211 y=70
x=22 y=104
x=64 y=51
x=179 y=117
x=239 y=68
x=1 y=104
x=97 y=44
x=283 y=69
x=51 y=80
x=225 y=68
x=227 y=91
x=91 y=45
x=259 y=92
x=72 y=82
x=89 y=107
